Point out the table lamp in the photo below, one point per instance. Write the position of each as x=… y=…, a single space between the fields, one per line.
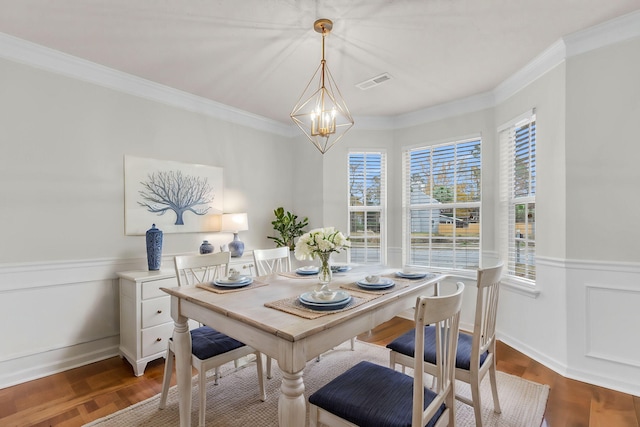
x=234 y=223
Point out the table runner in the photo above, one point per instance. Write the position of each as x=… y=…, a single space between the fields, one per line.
x=211 y=287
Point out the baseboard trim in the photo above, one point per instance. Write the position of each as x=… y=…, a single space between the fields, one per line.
x=565 y=371
x=32 y=367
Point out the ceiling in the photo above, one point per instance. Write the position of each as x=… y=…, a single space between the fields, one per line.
x=258 y=55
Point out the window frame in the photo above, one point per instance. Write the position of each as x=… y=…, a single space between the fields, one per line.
x=510 y=243
x=365 y=209
x=407 y=206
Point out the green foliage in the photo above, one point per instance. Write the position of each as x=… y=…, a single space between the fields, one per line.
x=288 y=226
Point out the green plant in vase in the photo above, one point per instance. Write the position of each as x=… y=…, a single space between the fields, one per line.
x=288 y=226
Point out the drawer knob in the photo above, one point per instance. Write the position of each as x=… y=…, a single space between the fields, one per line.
x=158 y=339
x=159 y=311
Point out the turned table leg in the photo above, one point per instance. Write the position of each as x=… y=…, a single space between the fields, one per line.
x=292 y=407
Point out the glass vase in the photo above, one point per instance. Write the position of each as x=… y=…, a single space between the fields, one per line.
x=324 y=277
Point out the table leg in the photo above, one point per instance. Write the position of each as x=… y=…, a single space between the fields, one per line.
x=292 y=407
x=182 y=347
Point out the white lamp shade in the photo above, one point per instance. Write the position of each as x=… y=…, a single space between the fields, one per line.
x=235 y=222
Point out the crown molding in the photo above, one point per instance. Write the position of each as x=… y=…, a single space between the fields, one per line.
x=604 y=34
x=25 y=52
x=607 y=33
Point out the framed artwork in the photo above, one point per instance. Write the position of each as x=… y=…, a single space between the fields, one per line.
x=176 y=197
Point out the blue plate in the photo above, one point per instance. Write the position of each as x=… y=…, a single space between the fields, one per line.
x=340 y=268
x=307 y=271
x=338 y=298
x=230 y=281
x=384 y=283
x=411 y=275
x=324 y=306
x=226 y=284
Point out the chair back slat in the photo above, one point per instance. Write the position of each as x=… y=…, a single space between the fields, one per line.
x=274 y=260
x=192 y=269
x=488 y=283
x=444 y=313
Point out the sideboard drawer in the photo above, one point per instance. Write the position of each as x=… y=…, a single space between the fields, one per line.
x=156 y=311
x=155 y=339
x=151 y=289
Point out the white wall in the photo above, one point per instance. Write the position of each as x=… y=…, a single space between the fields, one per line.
x=62 y=206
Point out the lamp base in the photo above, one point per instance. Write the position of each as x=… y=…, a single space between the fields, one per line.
x=236 y=247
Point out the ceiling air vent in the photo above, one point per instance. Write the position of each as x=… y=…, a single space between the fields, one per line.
x=375 y=81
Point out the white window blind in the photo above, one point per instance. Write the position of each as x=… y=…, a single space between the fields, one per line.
x=442 y=205
x=518 y=195
x=367 y=207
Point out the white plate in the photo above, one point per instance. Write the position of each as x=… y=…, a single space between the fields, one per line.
x=308 y=270
x=230 y=281
x=384 y=281
x=311 y=298
x=340 y=268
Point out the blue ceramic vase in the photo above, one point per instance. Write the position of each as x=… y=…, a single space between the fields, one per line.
x=154 y=248
x=206 y=247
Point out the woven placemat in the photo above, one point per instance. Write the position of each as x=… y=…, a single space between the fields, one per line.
x=211 y=287
x=353 y=286
x=292 y=305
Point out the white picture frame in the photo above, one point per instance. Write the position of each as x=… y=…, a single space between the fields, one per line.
x=149 y=185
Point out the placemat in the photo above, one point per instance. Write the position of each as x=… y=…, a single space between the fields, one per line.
x=291 y=305
x=211 y=287
x=353 y=286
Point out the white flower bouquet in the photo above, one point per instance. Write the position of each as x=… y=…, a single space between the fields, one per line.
x=320 y=241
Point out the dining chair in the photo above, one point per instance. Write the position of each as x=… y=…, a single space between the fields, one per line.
x=476 y=351
x=210 y=349
x=274 y=260
x=372 y=395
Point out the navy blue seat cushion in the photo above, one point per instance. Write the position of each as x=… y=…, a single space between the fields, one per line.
x=405 y=344
x=206 y=342
x=372 y=395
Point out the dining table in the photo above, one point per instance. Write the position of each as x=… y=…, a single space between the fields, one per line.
x=269 y=316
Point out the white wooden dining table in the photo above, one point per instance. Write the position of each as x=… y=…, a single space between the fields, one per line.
x=292 y=340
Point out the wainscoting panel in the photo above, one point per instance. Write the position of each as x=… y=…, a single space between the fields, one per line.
x=56 y=316
x=612 y=313
x=583 y=324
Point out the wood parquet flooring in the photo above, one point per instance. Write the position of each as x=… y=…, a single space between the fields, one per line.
x=81 y=395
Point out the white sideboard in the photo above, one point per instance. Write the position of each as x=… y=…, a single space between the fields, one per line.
x=145 y=312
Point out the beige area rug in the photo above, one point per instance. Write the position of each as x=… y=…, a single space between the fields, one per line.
x=234 y=402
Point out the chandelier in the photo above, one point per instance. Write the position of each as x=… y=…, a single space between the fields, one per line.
x=321 y=112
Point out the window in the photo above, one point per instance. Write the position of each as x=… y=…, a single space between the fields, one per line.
x=442 y=205
x=518 y=181
x=367 y=204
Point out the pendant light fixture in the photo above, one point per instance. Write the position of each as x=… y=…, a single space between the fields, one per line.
x=321 y=112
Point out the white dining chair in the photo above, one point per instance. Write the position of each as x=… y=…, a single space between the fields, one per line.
x=210 y=348
x=373 y=395
x=273 y=260
x=476 y=351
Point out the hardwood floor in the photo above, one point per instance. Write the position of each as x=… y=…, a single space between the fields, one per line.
x=81 y=395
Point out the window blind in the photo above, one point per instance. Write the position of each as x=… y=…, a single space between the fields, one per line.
x=518 y=191
x=441 y=204
x=367 y=205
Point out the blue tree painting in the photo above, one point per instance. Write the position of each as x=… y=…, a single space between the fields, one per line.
x=174 y=191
